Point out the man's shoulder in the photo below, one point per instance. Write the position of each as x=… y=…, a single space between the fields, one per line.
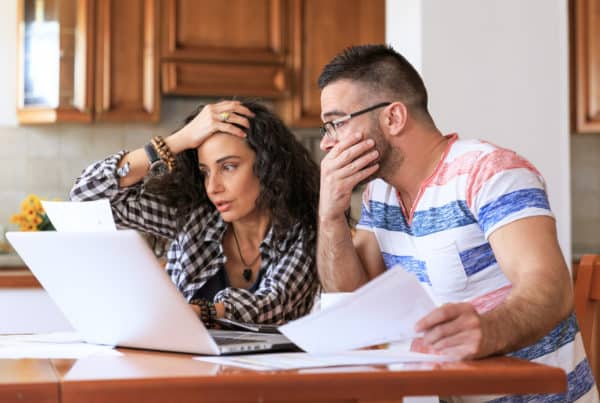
x=469 y=146
x=481 y=156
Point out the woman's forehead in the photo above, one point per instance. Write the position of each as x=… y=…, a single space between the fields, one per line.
x=220 y=145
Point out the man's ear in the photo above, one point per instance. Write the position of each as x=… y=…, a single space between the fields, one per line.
x=395 y=117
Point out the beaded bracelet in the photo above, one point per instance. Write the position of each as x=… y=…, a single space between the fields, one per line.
x=164 y=152
x=208 y=312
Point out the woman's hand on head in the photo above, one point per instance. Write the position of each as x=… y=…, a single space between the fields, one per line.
x=214 y=118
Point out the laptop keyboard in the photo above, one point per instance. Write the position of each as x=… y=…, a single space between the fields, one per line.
x=223 y=341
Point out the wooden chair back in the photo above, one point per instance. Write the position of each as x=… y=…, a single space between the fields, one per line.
x=587 y=298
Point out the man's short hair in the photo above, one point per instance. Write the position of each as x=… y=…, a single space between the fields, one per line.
x=382 y=70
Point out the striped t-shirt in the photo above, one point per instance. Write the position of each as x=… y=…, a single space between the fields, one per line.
x=476 y=188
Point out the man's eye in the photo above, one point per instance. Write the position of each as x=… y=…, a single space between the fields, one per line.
x=337 y=125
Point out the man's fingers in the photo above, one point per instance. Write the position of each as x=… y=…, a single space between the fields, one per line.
x=344 y=144
x=358 y=164
x=341 y=188
x=452 y=329
x=436 y=317
x=362 y=175
x=333 y=163
x=469 y=341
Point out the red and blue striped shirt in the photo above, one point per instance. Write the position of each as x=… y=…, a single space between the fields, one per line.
x=476 y=188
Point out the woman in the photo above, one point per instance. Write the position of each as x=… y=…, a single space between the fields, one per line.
x=238 y=203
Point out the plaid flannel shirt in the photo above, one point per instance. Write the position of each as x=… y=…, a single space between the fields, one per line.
x=289 y=282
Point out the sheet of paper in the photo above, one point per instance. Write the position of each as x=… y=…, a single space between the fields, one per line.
x=88 y=216
x=54 y=337
x=383 y=310
x=278 y=361
x=51 y=345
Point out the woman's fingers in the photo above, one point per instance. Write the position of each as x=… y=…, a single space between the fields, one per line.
x=232 y=119
x=227 y=117
x=227 y=127
x=232 y=109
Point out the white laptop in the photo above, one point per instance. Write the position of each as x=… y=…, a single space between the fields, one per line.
x=112 y=289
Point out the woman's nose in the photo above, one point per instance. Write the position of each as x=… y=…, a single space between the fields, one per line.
x=214 y=184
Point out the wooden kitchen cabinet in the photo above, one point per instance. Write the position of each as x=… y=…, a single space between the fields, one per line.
x=219 y=48
x=320 y=29
x=55 y=61
x=263 y=48
x=585 y=45
x=94 y=60
x=127 y=78
x=110 y=69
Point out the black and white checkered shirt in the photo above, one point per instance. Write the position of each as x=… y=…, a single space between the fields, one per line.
x=289 y=281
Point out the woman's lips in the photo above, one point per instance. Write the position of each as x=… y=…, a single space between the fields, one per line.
x=223 y=206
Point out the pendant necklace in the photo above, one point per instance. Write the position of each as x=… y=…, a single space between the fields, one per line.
x=247 y=273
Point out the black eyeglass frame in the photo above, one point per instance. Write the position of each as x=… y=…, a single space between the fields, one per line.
x=332 y=123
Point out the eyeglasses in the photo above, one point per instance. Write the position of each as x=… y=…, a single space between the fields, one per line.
x=330 y=128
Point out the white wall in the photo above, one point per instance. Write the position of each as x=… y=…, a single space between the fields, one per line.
x=497 y=70
x=8 y=67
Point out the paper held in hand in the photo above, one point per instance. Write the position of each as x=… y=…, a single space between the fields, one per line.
x=382 y=311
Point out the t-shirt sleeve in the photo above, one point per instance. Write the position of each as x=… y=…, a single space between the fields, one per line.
x=365 y=222
x=504 y=187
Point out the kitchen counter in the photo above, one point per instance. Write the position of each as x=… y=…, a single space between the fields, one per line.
x=14 y=273
x=11 y=260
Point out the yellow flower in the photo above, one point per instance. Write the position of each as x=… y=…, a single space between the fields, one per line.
x=32 y=201
x=16 y=219
x=32 y=216
x=37 y=220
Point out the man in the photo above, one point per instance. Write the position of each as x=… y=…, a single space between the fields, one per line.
x=469 y=219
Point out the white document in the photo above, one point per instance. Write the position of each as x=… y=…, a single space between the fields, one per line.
x=51 y=345
x=87 y=216
x=383 y=310
x=278 y=361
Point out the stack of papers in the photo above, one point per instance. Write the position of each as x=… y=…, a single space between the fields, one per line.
x=384 y=310
x=268 y=362
x=50 y=345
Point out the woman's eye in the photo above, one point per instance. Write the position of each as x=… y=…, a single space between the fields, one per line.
x=229 y=167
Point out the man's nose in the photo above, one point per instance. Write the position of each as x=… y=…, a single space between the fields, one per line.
x=327 y=143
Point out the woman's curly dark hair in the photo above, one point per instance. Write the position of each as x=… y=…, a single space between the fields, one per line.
x=289 y=178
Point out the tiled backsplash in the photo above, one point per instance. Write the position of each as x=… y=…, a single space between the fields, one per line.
x=585 y=193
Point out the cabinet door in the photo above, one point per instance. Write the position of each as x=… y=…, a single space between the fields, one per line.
x=127 y=61
x=55 y=61
x=234 y=47
x=320 y=30
x=586 y=99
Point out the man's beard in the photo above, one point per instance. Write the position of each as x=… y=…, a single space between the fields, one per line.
x=385 y=158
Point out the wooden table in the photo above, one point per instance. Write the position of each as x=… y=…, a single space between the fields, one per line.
x=28 y=381
x=140 y=376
